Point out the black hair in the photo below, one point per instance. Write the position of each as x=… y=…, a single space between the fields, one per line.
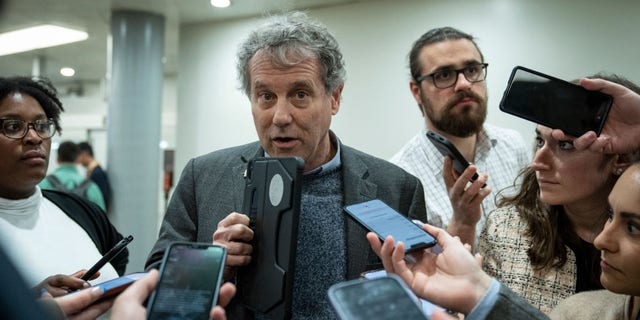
x=68 y=151
x=40 y=89
x=85 y=147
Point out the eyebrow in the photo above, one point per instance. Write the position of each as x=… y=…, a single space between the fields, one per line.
x=304 y=84
x=630 y=215
x=259 y=85
x=465 y=64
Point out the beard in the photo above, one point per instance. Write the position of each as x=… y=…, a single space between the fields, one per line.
x=463 y=125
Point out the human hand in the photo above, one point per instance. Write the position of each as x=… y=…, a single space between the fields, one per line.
x=621 y=131
x=227 y=291
x=466 y=199
x=452 y=279
x=233 y=233
x=61 y=284
x=130 y=303
x=79 y=305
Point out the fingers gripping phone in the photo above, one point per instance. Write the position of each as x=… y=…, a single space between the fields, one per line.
x=447 y=148
x=381 y=298
x=555 y=103
x=116 y=286
x=381 y=219
x=190 y=279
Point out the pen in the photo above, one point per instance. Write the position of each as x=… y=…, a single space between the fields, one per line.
x=107 y=257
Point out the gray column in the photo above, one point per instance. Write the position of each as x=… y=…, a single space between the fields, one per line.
x=133 y=128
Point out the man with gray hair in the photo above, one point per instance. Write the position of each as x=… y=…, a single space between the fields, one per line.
x=292 y=71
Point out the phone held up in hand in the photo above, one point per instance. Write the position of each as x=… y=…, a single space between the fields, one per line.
x=447 y=148
x=112 y=253
x=555 y=103
x=380 y=298
x=189 y=282
x=381 y=219
x=116 y=286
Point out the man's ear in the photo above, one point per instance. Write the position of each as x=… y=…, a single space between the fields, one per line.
x=415 y=89
x=336 y=96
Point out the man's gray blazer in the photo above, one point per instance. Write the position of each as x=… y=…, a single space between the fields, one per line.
x=212 y=186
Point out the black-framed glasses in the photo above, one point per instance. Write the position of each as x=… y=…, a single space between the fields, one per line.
x=446 y=78
x=17 y=129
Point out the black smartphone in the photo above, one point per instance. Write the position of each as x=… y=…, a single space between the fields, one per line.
x=112 y=253
x=555 y=103
x=190 y=279
x=115 y=286
x=381 y=219
x=447 y=148
x=380 y=298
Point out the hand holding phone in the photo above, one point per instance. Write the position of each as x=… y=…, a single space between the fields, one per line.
x=381 y=298
x=555 y=103
x=189 y=282
x=447 y=148
x=381 y=219
x=116 y=286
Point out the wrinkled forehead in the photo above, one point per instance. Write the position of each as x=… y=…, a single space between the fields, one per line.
x=283 y=56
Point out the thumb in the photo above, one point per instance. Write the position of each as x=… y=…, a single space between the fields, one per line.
x=479 y=258
x=140 y=290
x=45 y=294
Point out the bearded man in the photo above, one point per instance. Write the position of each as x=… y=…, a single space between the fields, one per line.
x=448 y=75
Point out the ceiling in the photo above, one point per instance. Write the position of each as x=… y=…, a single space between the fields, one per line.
x=89 y=57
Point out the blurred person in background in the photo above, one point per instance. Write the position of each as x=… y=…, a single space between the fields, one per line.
x=94 y=171
x=67 y=178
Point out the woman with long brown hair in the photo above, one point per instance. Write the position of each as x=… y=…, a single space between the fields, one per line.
x=540 y=241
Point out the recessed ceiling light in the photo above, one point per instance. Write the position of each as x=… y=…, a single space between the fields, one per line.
x=67 y=72
x=220 y=3
x=38 y=37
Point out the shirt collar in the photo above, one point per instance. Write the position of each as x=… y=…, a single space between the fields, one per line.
x=335 y=162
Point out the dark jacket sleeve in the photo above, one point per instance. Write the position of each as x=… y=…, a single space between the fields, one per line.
x=94 y=221
x=511 y=306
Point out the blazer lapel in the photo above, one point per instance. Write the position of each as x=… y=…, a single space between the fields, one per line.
x=357 y=189
x=239 y=171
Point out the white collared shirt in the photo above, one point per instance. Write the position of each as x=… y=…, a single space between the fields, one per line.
x=500 y=153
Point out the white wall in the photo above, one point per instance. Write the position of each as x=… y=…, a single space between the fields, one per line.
x=564 y=38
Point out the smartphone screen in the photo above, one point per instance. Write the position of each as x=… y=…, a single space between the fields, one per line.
x=555 y=103
x=190 y=278
x=447 y=148
x=381 y=298
x=378 y=217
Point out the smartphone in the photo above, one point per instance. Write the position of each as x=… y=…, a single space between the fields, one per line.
x=381 y=219
x=447 y=148
x=112 y=253
x=555 y=103
x=189 y=282
x=115 y=286
x=380 y=298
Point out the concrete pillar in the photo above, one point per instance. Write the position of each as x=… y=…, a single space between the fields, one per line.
x=133 y=128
